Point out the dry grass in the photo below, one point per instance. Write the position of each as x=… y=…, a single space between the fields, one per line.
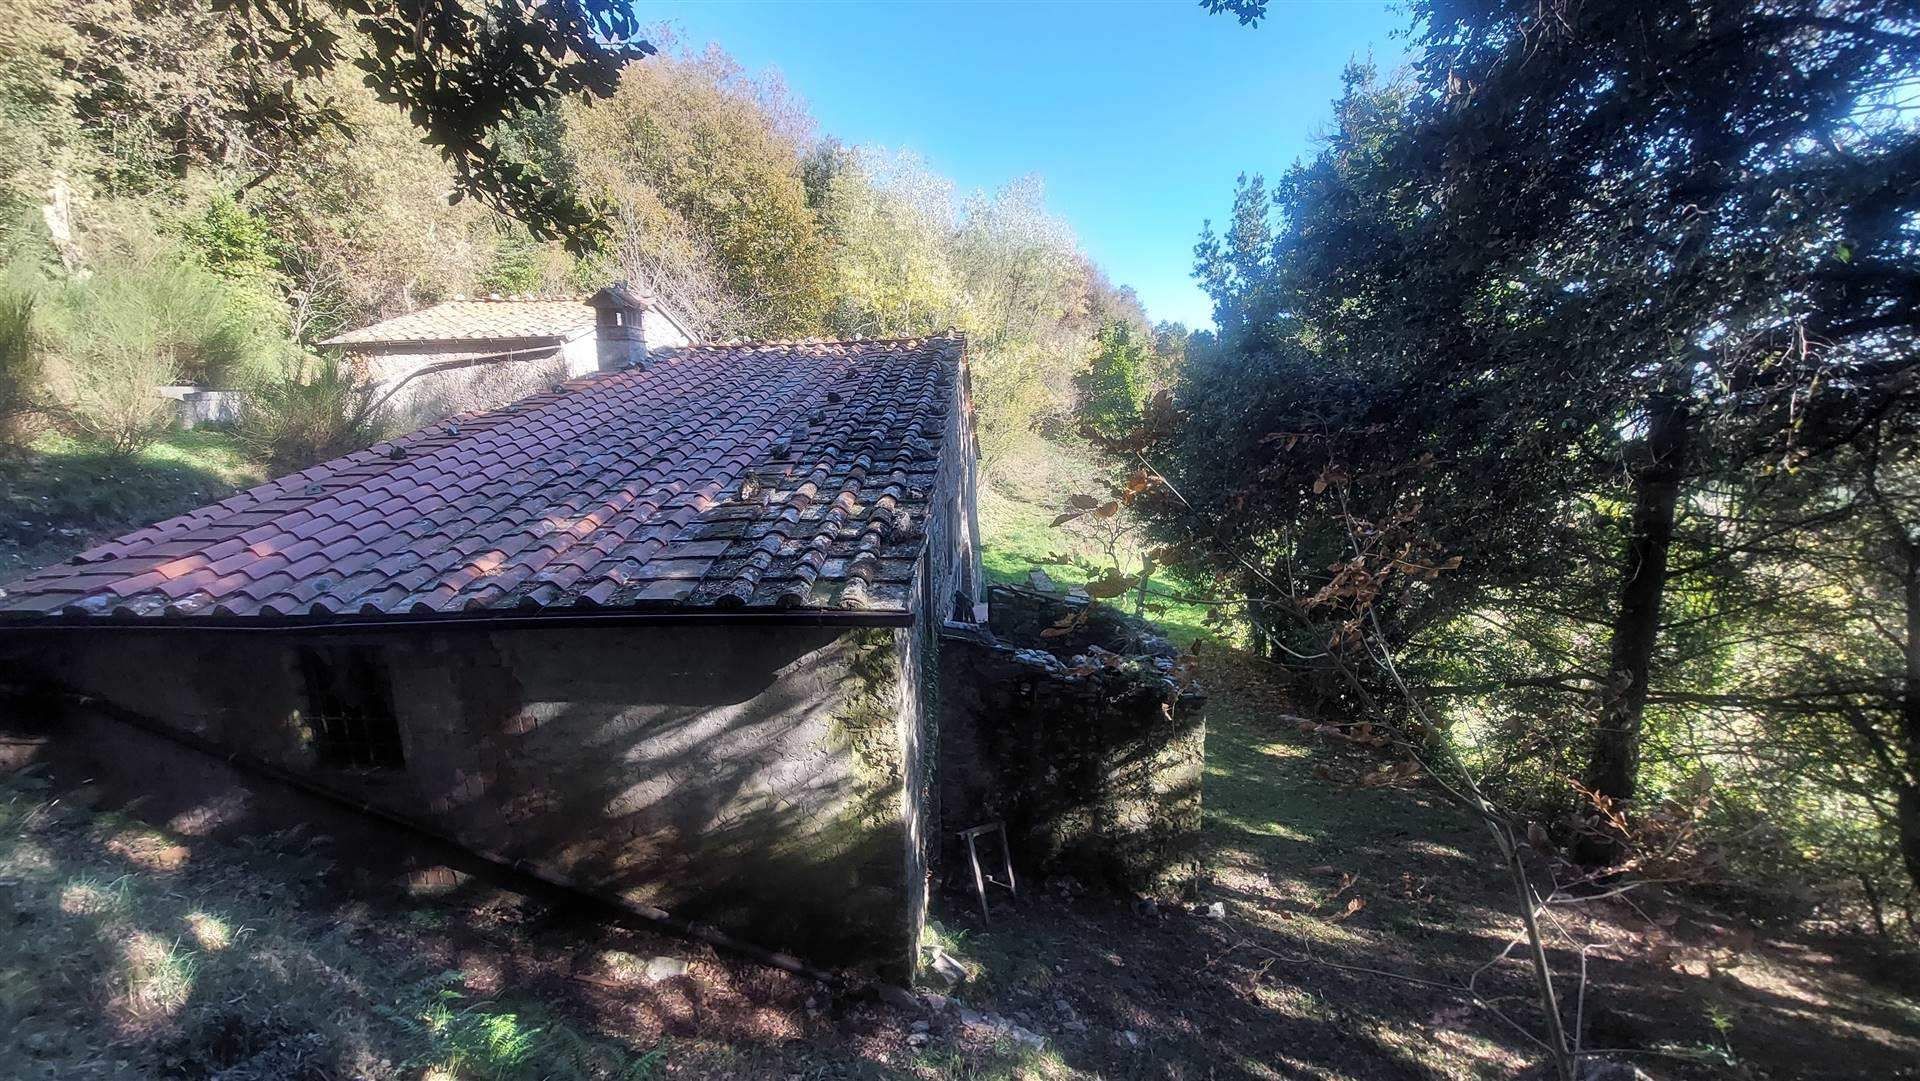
x=1292 y=984
x=130 y=953
x=139 y=952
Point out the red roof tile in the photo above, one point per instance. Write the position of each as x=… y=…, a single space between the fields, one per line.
x=773 y=475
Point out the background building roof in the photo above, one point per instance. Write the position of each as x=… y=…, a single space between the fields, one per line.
x=477 y=320
x=777 y=475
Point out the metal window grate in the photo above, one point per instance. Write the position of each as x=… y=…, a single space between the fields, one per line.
x=350 y=709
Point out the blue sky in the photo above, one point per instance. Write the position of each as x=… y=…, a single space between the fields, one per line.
x=1138 y=114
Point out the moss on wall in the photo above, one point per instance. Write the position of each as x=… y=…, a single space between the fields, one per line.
x=867 y=717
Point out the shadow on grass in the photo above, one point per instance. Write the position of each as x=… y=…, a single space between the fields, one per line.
x=60 y=495
x=194 y=959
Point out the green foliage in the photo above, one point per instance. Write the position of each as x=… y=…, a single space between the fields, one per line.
x=1507 y=287
x=167 y=312
x=310 y=411
x=1112 y=388
x=138 y=323
x=460 y=76
x=231 y=242
x=892 y=221
x=695 y=165
x=518 y=266
x=911 y=258
x=22 y=366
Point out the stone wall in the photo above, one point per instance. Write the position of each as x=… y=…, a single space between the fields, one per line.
x=1093 y=758
x=751 y=777
x=194 y=406
x=421 y=399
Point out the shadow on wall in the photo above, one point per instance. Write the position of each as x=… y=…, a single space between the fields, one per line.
x=1092 y=757
x=728 y=775
x=424 y=397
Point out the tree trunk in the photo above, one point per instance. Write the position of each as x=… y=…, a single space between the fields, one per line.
x=1908 y=814
x=1907 y=805
x=1613 y=771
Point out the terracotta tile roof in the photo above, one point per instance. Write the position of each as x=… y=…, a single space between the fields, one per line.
x=779 y=475
x=477 y=320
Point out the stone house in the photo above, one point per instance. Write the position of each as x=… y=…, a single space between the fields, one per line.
x=673 y=633
x=461 y=355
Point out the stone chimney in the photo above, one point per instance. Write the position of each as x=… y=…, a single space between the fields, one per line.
x=620 y=338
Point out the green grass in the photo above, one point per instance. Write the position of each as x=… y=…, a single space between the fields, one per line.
x=60 y=495
x=1018 y=503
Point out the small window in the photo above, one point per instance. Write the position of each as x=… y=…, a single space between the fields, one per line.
x=350 y=708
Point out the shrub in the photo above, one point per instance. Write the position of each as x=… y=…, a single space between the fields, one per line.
x=314 y=410
x=141 y=323
x=106 y=391
x=22 y=368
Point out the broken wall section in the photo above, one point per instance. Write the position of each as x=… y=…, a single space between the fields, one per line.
x=1091 y=753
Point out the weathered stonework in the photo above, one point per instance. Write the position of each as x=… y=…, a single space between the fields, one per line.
x=746 y=777
x=422 y=387
x=1093 y=759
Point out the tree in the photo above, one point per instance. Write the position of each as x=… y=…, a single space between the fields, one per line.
x=910 y=258
x=892 y=221
x=1112 y=386
x=459 y=69
x=1602 y=267
x=701 y=176
x=1702 y=154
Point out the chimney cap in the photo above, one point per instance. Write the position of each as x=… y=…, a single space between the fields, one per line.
x=619 y=295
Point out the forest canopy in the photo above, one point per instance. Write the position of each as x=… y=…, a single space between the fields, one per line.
x=1602 y=317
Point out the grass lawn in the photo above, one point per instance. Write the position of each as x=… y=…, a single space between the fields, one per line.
x=60 y=495
x=1019 y=500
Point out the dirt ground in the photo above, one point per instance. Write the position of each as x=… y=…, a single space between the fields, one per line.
x=1348 y=922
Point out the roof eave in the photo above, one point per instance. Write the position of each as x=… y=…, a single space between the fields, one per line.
x=499 y=343
x=481 y=620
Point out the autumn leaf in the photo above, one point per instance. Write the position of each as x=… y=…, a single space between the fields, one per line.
x=1107 y=510
x=1354 y=905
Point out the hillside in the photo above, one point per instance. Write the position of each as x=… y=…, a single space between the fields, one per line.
x=152 y=949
